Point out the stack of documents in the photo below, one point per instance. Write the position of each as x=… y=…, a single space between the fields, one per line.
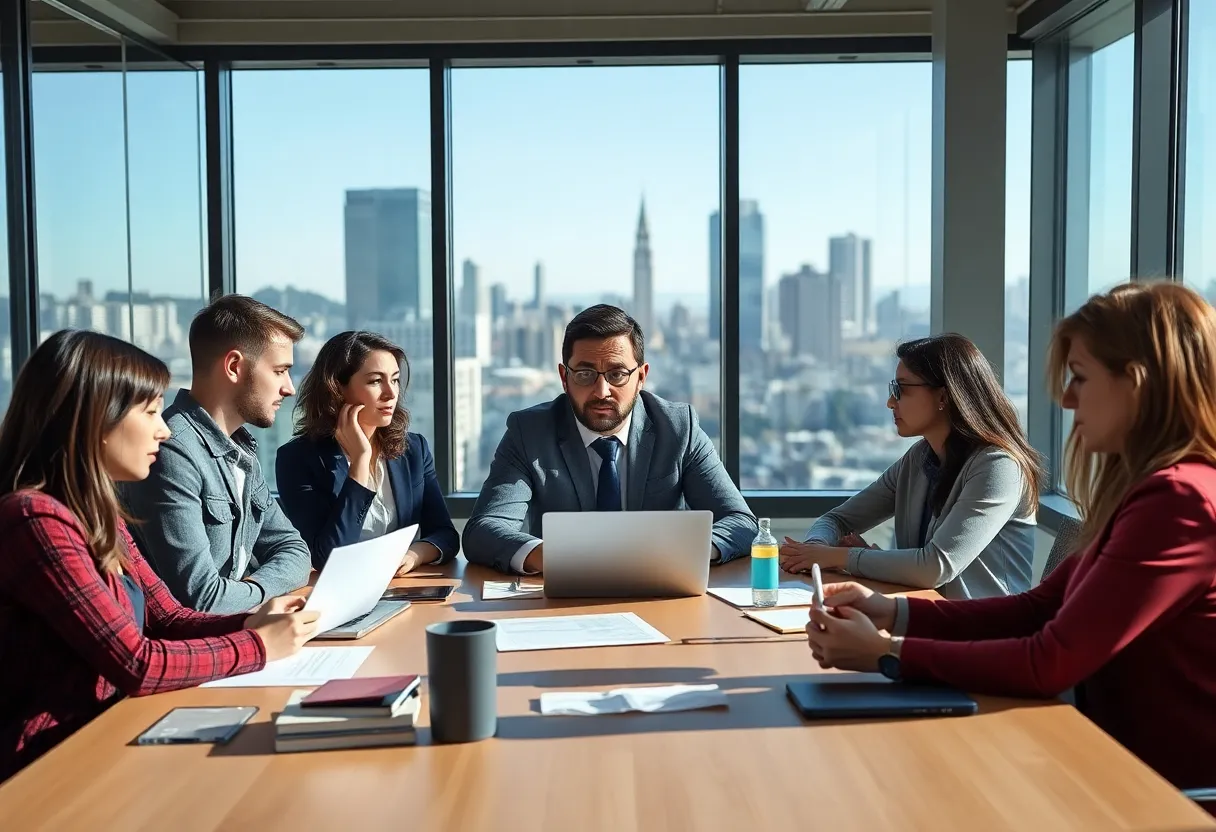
x=741 y=596
x=311 y=666
x=312 y=729
x=554 y=632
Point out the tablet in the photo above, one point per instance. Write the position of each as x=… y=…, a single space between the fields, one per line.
x=197 y=725
x=846 y=696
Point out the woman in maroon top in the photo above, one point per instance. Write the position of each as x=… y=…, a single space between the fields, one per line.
x=83 y=619
x=1130 y=618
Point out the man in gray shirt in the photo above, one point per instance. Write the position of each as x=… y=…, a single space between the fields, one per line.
x=206 y=519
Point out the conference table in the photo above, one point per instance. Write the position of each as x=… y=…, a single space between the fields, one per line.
x=756 y=764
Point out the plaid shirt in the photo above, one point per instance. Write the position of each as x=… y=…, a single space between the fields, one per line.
x=69 y=644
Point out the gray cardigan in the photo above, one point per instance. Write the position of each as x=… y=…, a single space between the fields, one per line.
x=980 y=546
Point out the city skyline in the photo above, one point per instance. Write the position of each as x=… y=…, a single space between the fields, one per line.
x=294 y=132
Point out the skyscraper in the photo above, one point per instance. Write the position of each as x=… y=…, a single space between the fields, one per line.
x=849 y=262
x=643 y=278
x=715 y=276
x=751 y=276
x=810 y=314
x=538 y=285
x=473 y=295
x=498 y=301
x=388 y=255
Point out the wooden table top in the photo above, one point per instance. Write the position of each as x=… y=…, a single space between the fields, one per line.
x=756 y=765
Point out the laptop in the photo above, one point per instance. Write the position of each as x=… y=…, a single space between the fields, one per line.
x=869 y=697
x=355 y=576
x=382 y=613
x=626 y=554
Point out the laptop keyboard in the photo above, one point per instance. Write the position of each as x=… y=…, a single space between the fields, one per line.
x=381 y=609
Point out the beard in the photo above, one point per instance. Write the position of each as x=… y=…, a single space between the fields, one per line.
x=603 y=422
x=257 y=413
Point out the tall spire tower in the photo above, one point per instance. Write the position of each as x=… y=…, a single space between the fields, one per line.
x=643 y=278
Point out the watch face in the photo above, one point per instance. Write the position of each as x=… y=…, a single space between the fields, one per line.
x=888 y=666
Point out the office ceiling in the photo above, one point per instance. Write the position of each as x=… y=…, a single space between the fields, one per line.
x=390 y=21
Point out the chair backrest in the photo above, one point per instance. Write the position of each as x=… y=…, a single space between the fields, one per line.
x=1066 y=539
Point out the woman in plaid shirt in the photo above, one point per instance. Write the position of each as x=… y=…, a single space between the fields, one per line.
x=83 y=618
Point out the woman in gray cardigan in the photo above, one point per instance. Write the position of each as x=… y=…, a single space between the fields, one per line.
x=964 y=499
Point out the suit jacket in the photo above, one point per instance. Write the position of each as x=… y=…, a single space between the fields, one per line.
x=541 y=465
x=328 y=507
x=192 y=520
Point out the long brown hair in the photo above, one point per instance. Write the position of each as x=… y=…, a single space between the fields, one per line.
x=71 y=393
x=321 y=399
x=1163 y=335
x=981 y=415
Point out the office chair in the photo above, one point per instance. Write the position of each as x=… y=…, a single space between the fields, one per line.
x=1066 y=538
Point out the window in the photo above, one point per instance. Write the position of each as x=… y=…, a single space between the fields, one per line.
x=118 y=156
x=574 y=186
x=834 y=168
x=1017 y=236
x=1098 y=218
x=6 y=334
x=332 y=199
x=1199 y=217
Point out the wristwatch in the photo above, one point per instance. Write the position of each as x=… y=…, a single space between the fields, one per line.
x=889 y=664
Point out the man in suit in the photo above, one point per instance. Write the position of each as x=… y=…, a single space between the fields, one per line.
x=603 y=445
x=207 y=521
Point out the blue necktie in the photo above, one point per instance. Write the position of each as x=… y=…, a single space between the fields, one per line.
x=608 y=495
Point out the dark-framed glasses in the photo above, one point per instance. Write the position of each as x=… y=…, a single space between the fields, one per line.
x=585 y=376
x=896 y=387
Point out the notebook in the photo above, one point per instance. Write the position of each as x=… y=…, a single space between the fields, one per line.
x=856 y=696
x=368 y=696
x=788 y=620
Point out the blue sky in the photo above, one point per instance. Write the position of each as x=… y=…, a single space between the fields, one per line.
x=548 y=164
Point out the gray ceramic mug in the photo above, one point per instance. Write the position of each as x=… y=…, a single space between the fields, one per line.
x=462 y=669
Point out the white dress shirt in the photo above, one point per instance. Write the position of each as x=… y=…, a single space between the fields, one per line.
x=381 y=517
x=593 y=456
x=242 y=557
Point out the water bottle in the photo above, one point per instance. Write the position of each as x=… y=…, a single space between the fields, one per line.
x=764 y=567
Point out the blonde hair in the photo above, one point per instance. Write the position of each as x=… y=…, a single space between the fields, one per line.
x=1162 y=335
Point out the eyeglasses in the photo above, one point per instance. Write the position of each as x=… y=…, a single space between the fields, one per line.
x=585 y=376
x=896 y=387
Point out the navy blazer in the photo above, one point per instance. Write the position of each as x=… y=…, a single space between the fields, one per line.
x=328 y=507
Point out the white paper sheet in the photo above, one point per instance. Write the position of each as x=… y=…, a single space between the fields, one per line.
x=506 y=590
x=741 y=596
x=312 y=666
x=623 y=700
x=355 y=577
x=561 y=631
x=792 y=620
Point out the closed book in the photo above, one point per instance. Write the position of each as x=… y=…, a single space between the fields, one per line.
x=295 y=720
x=375 y=696
x=334 y=742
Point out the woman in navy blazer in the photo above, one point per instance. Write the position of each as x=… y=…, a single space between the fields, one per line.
x=353 y=472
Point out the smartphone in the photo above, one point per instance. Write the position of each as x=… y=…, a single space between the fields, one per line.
x=817 y=587
x=417 y=594
x=197 y=725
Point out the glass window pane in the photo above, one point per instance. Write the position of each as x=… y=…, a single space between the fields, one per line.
x=167 y=213
x=1199 y=229
x=1017 y=235
x=1098 y=220
x=6 y=335
x=574 y=186
x=80 y=193
x=333 y=213
x=834 y=169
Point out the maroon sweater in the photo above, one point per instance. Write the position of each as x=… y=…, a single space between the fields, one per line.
x=1130 y=621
